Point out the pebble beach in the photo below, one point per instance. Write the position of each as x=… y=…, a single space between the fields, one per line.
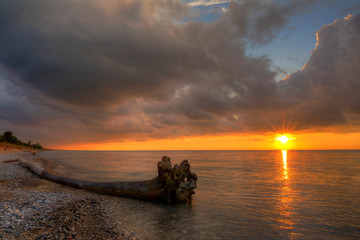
x=34 y=208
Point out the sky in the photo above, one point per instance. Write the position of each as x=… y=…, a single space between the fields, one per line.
x=181 y=74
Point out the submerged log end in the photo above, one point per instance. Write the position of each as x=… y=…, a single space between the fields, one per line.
x=177 y=183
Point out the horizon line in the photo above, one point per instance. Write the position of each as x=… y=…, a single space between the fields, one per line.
x=194 y=150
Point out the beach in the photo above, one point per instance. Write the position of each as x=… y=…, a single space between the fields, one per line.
x=34 y=208
x=240 y=195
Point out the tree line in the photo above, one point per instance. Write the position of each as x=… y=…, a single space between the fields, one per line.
x=9 y=137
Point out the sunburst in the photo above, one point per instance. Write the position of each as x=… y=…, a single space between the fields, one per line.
x=284 y=138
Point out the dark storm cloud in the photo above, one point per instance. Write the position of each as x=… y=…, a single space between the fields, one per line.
x=78 y=52
x=91 y=70
x=90 y=53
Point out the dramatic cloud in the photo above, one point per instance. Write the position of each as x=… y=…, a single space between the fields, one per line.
x=91 y=70
x=326 y=91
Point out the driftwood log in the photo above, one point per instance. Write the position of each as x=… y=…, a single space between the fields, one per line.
x=172 y=185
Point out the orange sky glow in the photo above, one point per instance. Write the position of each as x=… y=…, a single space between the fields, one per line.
x=305 y=141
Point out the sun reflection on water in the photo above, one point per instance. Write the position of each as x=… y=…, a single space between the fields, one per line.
x=286 y=201
x=285 y=168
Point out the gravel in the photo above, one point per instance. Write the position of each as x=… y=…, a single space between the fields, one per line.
x=33 y=208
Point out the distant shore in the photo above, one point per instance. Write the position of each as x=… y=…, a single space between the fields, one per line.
x=34 y=208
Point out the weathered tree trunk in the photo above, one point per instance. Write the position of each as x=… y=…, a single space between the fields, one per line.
x=174 y=184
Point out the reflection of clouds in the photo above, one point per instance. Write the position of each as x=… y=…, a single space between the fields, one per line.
x=175 y=221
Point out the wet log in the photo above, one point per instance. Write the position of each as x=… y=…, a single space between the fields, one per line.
x=172 y=185
x=11 y=161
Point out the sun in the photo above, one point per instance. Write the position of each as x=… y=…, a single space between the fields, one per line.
x=283 y=138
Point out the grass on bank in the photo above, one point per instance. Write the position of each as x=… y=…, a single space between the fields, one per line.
x=10 y=146
x=9 y=142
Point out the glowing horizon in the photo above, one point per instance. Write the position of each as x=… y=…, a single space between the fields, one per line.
x=304 y=141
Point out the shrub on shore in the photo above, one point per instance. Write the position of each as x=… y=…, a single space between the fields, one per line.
x=8 y=137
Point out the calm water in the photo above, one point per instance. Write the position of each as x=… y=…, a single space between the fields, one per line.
x=240 y=194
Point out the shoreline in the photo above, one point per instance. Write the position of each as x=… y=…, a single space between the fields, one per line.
x=34 y=208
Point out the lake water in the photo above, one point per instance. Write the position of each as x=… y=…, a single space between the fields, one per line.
x=240 y=194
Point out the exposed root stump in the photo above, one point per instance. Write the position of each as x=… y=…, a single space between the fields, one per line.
x=174 y=184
